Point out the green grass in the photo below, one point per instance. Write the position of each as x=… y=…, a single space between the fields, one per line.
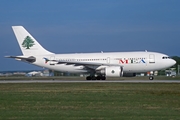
x=89 y=101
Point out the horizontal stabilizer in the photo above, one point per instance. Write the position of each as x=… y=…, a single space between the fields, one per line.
x=30 y=59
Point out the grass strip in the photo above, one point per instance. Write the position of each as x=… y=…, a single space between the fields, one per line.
x=91 y=101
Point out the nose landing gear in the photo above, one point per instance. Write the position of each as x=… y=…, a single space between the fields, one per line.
x=151 y=78
x=151 y=75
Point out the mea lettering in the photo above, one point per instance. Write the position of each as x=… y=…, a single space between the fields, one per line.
x=132 y=61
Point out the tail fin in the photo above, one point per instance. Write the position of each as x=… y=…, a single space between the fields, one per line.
x=28 y=45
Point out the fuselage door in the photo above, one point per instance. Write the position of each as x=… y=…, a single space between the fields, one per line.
x=151 y=58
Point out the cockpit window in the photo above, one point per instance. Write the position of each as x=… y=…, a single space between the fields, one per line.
x=165 y=57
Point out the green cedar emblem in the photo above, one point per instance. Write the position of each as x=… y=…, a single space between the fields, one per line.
x=28 y=42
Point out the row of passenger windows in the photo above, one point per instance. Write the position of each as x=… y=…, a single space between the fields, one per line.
x=90 y=59
x=130 y=58
x=81 y=59
x=106 y=59
x=100 y=59
x=136 y=58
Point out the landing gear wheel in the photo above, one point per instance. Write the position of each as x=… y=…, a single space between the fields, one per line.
x=103 y=78
x=93 y=78
x=98 y=78
x=88 y=78
x=151 y=77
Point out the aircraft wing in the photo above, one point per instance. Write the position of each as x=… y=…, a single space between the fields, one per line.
x=92 y=66
x=77 y=63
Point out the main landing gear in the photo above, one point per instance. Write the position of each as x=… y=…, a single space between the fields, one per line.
x=95 y=78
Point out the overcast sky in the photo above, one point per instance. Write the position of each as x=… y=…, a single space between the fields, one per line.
x=78 y=26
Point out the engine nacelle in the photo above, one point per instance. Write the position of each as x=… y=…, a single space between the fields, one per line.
x=112 y=71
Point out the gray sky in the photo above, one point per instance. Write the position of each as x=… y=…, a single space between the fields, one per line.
x=78 y=26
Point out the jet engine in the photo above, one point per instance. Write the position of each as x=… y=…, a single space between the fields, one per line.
x=112 y=71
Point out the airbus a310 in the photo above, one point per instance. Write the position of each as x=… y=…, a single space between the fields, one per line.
x=98 y=65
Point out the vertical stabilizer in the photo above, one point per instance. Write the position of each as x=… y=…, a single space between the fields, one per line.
x=27 y=43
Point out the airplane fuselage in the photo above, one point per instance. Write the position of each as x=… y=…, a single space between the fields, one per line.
x=132 y=62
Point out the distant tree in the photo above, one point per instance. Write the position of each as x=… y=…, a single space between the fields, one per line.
x=28 y=42
x=58 y=73
x=161 y=72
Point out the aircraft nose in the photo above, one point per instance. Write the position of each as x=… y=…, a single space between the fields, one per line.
x=173 y=62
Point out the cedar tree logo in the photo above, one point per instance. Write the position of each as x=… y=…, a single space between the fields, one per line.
x=28 y=42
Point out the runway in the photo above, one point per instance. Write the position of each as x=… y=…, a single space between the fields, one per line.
x=84 y=81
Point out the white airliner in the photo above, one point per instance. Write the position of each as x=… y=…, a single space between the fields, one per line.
x=98 y=65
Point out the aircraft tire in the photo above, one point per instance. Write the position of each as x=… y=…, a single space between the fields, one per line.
x=93 y=78
x=98 y=78
x=88 y=78
x=103 y=78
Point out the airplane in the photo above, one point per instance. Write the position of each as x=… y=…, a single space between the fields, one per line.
x=97 y=65
x=34 y=73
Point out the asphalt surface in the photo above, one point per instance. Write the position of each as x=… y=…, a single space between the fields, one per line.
x=84 y=81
